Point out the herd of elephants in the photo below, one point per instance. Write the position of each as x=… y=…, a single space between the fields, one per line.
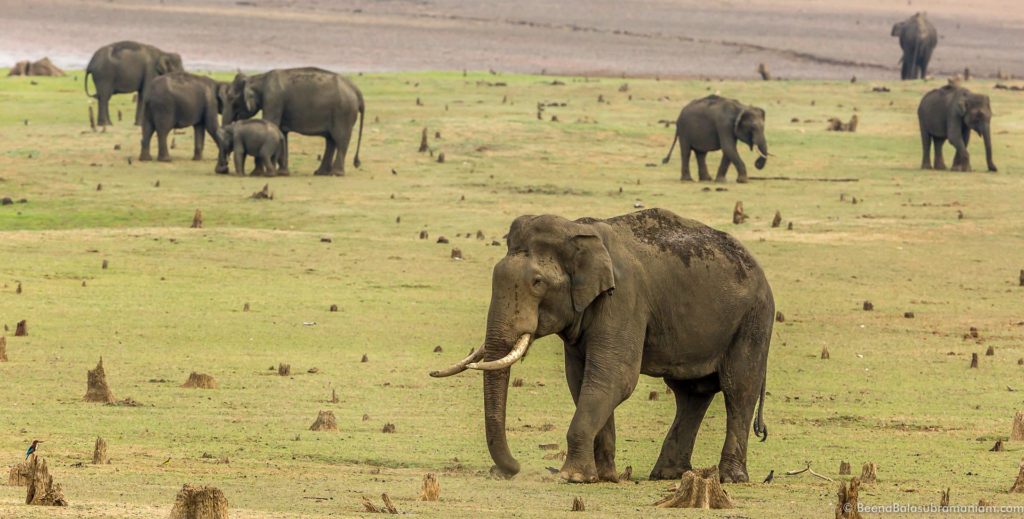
x=690 y=305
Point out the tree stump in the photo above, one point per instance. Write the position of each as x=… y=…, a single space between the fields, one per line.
x=365 y=358
x=762 y=69
x=98 y=390
x=389 y=507
x=389 y=428
x=1022 y=277
x=1018 y=486
x=990 y=351
x=869 y=473
x=944 y=500
x=824 y=353
x=737 y=214
x=3 y=348
x=431 y=488
x=577 y=505
x=457 y=254
x=42 y=490
x=324 y=422
x=779 y=318
x=424 y=235
x=846 y=508
x=998 y=447
x=197 y=219
x=333 y=308
x=424 y=146
x=777 y=221
x=698 y=489
x=201 y=381
x=974 y=360
x=844 y=468
x=1017 y=433
x=19 y=475
x=653 y=395
x=334 y=396
x=194 y=502
x=105 y=264
x=284 y=369
x=99 y=453
x=440 y=158
x=21 y=330
x=18 y=290
x=626 y=474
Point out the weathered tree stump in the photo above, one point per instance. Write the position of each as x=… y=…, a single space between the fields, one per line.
x=245 y=307
x=284 y=369
x=577 y=505
x=777 y=221
x=698 y=488
x=42 y=490
x=424 y=235
x=846 y=507
x=944 y=499
x=974 y=360
x=431 y=488
x=844 y=468
x=19 y=475
x=653 y=395
x=324 y=422
x=1018 y=486
x=195 y=502
x=99 y=453
x=333 y=308
x=998 y=447
x=424 y=145
x=440 y=158
x=389 y=507
x=18 y=290
x=98 y=390
x=762 y=69
x=789 y=226
x=105 y=264
x=518 y=382
x=990 y=351
x=21 y=330
x=737 y=214
x=197 y=219
x=1017 y=433
x=457 y=254
x=334 y=397
x=389 y=428
x=973 y=331
x=627 y=474
x=779 y=318
x=3 y=348
x=824 y=353
x=869 y=473
x=365 y=358
x=200 y=381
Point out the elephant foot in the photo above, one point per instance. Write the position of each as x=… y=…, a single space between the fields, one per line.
x=163 y=159
x=575 y=473
x=221 y=170
x=686 y=178
x=197 y=157
x=993 y=169
x=667 y=473
x=925 y=165
x=608 y=475
x=940 y=166
x=722 y=179
x=732 y=472
x=338 y=173
x=705 y=179
x=321 y=173
x=283 y=173
x=742 y=179
x=496 y=472
x=145 y=158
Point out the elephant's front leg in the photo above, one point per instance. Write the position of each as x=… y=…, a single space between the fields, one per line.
x=604 y=442
x=199 y=134
x=940 y=161
x=723 y=168
x=729 y=152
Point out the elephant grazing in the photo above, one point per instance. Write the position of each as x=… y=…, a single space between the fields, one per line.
x=310 y=101
x=716 y=123
x=690 y=305
x=181 y=100
x=124 y=67
x=918 y=39
x=951 y=112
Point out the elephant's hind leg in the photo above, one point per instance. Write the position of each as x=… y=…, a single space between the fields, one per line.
x=200 y=134
x=341 y=140
x=691 y=405
x=702 y=166
x=926 y=149
x=684 y=154
x=327 y=158
x=940 y=163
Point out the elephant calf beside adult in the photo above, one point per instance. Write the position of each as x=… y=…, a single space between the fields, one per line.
x=918 y=39
x=309 y=101
x=181 y=100
x=690 y=305
x=951 y=112
x=716 y=123
x=125 y=67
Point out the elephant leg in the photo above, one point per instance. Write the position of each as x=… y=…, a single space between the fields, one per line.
x=327 y=158
x=341 y=140
x=729 y=151
x=677 y=449
x=926 y=150
x=259 y=168
x=283 y=162
x=604 y=442
x=965 y=163
x=240 y=152
x=702 y=166
x=723 y=168
x=269 y=169
x=138 y=107
x=684 y=154
x=147 y=137
x=163 y=153
x=103 y=96
x=199 y=134
x=940 y=162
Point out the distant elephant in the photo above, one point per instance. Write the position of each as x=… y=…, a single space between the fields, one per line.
x=918 y=39
x=716 y=123
x=310 y=101
x=181 y=100
x=951 y=112
x=690 y=305
x=125 y=67
x=260 y=138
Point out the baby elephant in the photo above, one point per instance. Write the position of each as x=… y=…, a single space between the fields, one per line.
x=259 y=138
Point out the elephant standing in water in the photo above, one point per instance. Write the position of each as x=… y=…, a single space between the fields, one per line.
x=125 y=67
x=918 y=39
x=309 y=101
x=181 y=100
x=714 y=123
x=690 y=305
x=951 y=112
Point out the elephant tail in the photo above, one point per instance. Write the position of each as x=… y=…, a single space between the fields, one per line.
x=362 y=117
x=760 y=429
x=672 y=147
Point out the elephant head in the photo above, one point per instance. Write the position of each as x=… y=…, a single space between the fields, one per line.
x=553 y=271
x=169 y=62
x=897 y=28
x=242 y=99
x=975 y=111
x=749 y=129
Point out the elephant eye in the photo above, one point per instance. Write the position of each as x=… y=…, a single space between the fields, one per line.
x=538 y=281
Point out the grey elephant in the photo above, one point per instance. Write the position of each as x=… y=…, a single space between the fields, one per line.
x=717 y=123
x=918 y=39
x=260 y=138
x=310 y=101
x=181 y=100
x=690 y=305
x=125 y=67
x=951 y=112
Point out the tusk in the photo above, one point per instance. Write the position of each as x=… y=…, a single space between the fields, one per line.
x=460 y=366
x=517 y=353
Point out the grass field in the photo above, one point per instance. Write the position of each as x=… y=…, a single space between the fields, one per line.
x=896 y=391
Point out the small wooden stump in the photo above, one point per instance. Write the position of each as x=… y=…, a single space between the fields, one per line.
x=480 y=235
x=990 y=351
x=389 y=428
x=42 y=490
x=99 y=453
x=824 y=353
x=325 y=421
x=3 y=348
x=200 y=381
x=698 y=489
x=1017 y=433
x=365 y=358
x=626 y=474
x=869 y=473
x=194 y=502
x=779 y=318
x=245 y=307
x=777 y=221
x=431 y=488
x=1018 y=486
x=577 y=505
x=21 y=330
x=762 y=69
x=517 y=382
x=92 y=119
x=424 y=145
x=105 y=264
x=844 y=468
x=846 y=507
x=98 y=390
x=18 y=290
x=197 y=219
x=974 y=360
x=334 y=396
x=973 y=331
x=389 y=507
x=284 y=369
x=440 y=158
x=944 y=500
x=424 y=235
x=908 y=315
x=737 y=214
x=333 y=308
x=19 y=475
x=457 y=254
x=654 y=395
x=998 y=447
x=868 y=306
x=438 y=349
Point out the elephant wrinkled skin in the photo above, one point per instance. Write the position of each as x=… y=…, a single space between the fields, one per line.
x=951 y=112
x=125 y=67
x=716 y=123
x=648 y=292
x=181 y=100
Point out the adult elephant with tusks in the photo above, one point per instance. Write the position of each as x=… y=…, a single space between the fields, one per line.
x=951 y=112
x=690 y=305
x=310 y=101
x=125 y=67
x=717 y=123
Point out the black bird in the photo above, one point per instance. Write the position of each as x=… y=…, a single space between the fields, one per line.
x=771 y=477
x=32 y=448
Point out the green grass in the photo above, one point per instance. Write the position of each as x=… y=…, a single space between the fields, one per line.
x=896 y=391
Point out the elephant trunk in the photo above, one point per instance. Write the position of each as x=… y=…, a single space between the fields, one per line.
x=986 y=134
x=495 y=399
x=762 y=150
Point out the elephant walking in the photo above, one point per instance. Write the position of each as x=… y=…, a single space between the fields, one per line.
x=951 y=112
x=125 y=67
x=310 y=101
x=918 y=39
x=181 y=100
x=690 y=305
x=716 y=123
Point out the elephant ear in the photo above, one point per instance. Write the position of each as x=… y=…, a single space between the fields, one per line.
x=592 y=273
x=745 y=117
